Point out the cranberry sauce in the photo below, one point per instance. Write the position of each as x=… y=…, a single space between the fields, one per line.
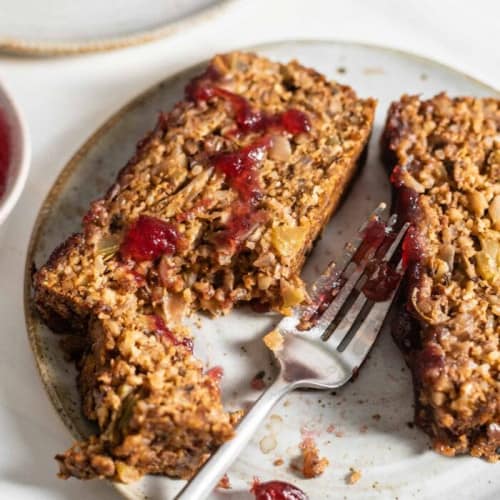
x=412 y=248
x=380 y=285
x=247 y=119
x=149 y=238
x=406 y=203
x=4 y=153
x=384 y=278
x=240 y=171
x=373 y=236
x=216 y=373
x=408 y=209
x=162 y=330
x=277 y=490
x=240 y=167
x=244 y=218
x=196 y=89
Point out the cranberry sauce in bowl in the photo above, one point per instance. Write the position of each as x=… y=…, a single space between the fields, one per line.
x=14 y=153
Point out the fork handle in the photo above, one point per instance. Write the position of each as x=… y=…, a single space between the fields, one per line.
x=203 y=483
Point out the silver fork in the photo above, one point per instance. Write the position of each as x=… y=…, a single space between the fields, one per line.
x=325 y=356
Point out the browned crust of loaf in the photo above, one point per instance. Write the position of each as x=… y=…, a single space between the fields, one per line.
x=61 y=313
x=358 y=161
x=454 y=429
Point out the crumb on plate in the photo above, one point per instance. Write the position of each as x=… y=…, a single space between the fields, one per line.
x=274 y=340
x=354 y=476
x=312 y=464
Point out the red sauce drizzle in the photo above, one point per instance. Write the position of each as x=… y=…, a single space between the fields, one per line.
x=216 y=373
x=380 y=285
x=240 y=166
x=277 y=490
x=395 y=177
x=405 y=331
x=241 y=223
x=196 y=89
x=384 y=278
x=161 y=329
x=4 y=153
x=149 y=238
x=247 y=119
x=412 y=255
x=406 y=205
x=240 y=171
x=373 y=236
x=408 y=209
x=412 y=248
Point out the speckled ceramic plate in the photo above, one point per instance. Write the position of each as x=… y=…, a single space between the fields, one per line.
x=52 y=27
x=367 y=424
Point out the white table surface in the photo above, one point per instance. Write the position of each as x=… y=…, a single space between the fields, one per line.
x=65 y=99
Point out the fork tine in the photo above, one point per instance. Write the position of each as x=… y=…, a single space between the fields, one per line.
x=337 y=268
x=365 y=336
x=345 y=325
x=326 y=281
x=332 y=311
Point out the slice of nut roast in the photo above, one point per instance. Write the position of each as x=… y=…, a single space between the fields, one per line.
x=444 y=154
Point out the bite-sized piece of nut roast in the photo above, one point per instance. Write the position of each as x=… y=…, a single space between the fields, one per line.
x=157 y=411
x=444 y=155
x=220 y=205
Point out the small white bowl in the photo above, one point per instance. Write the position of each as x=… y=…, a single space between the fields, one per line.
x=20 y=153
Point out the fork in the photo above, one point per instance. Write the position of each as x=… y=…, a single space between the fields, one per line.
x=327 y=355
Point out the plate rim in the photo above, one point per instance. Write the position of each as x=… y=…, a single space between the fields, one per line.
x=23 y=47
x=30 y=315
